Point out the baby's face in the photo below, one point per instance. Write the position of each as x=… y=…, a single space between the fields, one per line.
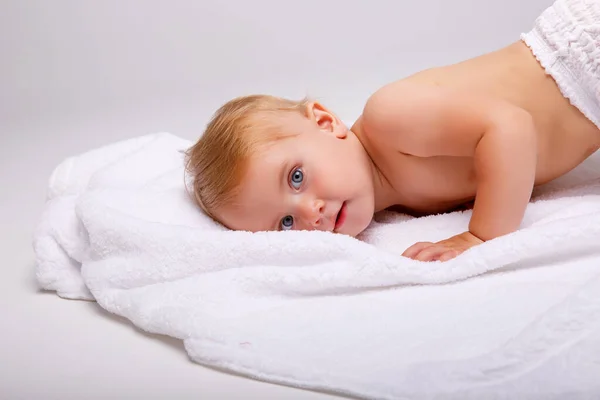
x=315 y=180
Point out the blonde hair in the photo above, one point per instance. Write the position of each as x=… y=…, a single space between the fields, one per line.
x=218 y=160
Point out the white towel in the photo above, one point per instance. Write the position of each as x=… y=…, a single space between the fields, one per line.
x=325 y=311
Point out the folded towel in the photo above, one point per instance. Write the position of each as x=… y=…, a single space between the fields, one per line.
x=325 y=311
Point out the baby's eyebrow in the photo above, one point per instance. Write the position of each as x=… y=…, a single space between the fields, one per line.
x=277 y=223
x=276 y=226
x=283 y=168
x=282 y=177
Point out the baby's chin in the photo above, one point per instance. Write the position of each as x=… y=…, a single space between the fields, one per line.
x=357 y=225
x=356 y=232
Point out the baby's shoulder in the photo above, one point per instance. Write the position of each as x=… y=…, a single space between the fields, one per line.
x=399 y=109
x=403 y=103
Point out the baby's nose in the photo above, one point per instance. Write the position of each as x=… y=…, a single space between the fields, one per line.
x=312 y=212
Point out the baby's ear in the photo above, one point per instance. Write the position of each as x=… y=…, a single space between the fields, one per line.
x=326 y=120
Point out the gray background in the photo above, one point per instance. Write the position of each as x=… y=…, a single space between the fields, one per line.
x=77 y=74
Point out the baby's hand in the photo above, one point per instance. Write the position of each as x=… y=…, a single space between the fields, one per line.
x=444 y=250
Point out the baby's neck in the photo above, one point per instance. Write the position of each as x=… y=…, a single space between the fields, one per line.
x=384 y=193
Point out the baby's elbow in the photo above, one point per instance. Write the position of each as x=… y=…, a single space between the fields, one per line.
x=516 y=124
x=516 y=118
x=524 y=119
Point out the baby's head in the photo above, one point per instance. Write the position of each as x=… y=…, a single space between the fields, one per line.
x=266 y=163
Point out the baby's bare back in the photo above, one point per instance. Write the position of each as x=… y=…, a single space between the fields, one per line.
x=565 y=136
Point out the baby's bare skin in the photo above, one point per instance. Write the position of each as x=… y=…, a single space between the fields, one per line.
x=565 y=137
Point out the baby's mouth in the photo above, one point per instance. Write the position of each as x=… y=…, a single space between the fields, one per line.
x=341 y=217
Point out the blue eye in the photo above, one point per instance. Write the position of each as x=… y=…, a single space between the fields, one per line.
x=296 y=178
x=287 y=222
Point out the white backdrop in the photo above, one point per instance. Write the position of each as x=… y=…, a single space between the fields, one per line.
x=67 y=59
x=78 y=74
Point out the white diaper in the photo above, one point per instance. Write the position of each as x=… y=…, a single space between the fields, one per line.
x=566 y=41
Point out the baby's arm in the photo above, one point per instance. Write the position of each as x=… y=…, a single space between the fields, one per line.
x=426 y=121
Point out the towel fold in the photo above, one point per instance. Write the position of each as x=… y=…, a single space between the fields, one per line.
x=325 y=311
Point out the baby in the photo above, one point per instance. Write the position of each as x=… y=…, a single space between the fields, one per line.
x=486 y=131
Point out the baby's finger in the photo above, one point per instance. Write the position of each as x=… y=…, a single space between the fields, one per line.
x=449 y=255
x=431 y=253
x=415 y=249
